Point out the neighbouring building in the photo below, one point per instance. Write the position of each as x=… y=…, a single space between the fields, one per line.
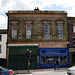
x=71 y=39
x=3 y=41
x=42 y=32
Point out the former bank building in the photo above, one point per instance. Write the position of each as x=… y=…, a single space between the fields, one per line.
x=45 y=33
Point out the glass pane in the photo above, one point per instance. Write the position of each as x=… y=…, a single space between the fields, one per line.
x=51 y=60
x=55 y=58
x=46 y=27
x=46 y=32
x=74 y=28
x=14 y=27
x=60 y=32
x=28 y=36
x=65 y=59
x=60 y=37
x=28 y=31
x=47 y=36
x=0 y=48
x=42 y=60
x=60 y=59
x=14 y=34
x=60 y=27
x=47 y=60
x=28 y=27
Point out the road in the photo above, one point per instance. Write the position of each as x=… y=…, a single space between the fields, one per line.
x=47 y=73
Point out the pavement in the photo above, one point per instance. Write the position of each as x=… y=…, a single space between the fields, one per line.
x=39 y=70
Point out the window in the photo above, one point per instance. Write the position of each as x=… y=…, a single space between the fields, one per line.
x=60 y=59
x=28 y=31
x=65 y=59
x=73 y=28
x=14 y=31
x=0 y=48
x=42 y=60
x=60 y=31
x=0 y=37
x=51 y=60
x=47 y=60
x=46 y=32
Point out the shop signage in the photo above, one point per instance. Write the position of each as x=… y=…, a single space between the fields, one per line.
x=53 y=51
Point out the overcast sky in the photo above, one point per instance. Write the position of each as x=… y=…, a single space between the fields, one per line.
x=51 y=5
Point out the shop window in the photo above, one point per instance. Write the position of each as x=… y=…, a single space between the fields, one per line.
x=14 y=31
x=60 y=31
x=51 y=60
x=46 y=31
x=28 y=31
x=0 y=48
x=55 y=58
x=47 y=60
x=60 y=59
x=0 y=37
x=65 y=59
x=73 y=58
x=74 y=42
x=42 y=60
x=73 y=28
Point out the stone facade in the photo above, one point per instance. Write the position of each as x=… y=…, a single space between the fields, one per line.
x=37 y=19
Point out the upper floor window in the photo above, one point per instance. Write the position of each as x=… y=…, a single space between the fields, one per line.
x=73 y=28
x=28 y=31
x=0 y=37
x=0 y=48
x=46 y=31
x=60 y=31
x=14 y=31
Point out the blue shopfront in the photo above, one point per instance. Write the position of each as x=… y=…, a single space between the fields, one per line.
x=47 y=57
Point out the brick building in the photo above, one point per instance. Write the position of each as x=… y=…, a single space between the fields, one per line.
x=71 y=39
x=42 y=32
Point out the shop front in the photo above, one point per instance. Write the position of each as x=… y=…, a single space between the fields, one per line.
x=17 y=57
x=47 y=57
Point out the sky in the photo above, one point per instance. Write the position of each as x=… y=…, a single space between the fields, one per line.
x=50 y=5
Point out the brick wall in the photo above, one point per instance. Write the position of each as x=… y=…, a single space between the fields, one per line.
x=71 y=22
x=53 y=44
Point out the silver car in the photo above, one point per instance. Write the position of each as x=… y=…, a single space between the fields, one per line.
x=71 y=71
x=4 y=71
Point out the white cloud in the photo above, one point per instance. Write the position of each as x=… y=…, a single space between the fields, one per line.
x=3 y=22
x=6 y=5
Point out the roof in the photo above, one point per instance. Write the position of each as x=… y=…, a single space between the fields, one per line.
x=3 y=31
x=49 y=12
x=36 y=11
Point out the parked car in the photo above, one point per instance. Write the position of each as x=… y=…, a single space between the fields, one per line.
x=71 y=71
x=4 y=71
